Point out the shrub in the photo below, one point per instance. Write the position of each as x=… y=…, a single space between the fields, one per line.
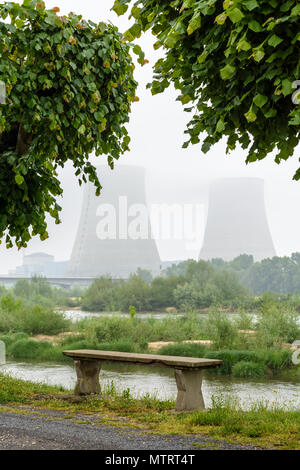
x=100 y=296
x=40 y=321
x=19 y=335
x=228 y=357
x=29 y=349
x=140 y=331
x=183 y=349
x=249 y=369
x=221 y=330
x=7 y=340
x=276 y=324
x=244 y=321
x=122 y=345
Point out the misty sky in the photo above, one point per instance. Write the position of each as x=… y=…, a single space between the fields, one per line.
x=173 y=174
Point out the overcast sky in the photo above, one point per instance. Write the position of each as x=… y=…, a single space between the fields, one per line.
x=156 y=128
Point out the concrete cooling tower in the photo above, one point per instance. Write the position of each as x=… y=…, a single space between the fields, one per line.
x=237 y=222
x=114 y=234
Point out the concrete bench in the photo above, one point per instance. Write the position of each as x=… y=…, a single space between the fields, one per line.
x=188 y=373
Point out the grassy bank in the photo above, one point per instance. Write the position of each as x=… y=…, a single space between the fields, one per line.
x=239 y=363
x=247 y=349
x=260 y=426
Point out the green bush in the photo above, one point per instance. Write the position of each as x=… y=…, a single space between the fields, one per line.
x=29 y=349
x=122 y=345
x=16 y=317
x=248 y=369
x=139 y=331
x=183 y=349
x=221 y=329
x=19 y=335
x=274 y=360
x=82 y=344
x=276 y=324
x=37 y=320
x=100 y=296
x=7 y=340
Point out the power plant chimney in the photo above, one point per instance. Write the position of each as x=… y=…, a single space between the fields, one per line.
x=114 y=234
x=237 y=222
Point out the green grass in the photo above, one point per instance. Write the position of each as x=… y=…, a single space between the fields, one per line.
x=273 y=361
x=19 y=391
x=242 y=363
x=26 y=348
x=225 y=420
x=35 y=319
x=248 y=369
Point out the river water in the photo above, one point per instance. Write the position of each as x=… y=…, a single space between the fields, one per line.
x=160 y=382
x=76 y=315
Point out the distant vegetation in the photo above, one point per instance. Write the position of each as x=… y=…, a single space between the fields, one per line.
x=193 y=285
x=187 y=286
x=248 y=346
x=201 y=286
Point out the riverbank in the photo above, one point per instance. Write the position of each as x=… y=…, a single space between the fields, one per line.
x=238 y=362
x=223 y=421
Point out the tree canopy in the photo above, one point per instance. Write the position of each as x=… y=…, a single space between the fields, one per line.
x=69 y=88
x=235 y=64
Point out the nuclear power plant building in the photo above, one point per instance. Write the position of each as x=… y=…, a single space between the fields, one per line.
x=237 y=221
x=108 y=240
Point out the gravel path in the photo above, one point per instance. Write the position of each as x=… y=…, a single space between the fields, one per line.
x=28 y=429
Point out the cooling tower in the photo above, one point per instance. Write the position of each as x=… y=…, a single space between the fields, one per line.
x=114 y=234
x=236 y=221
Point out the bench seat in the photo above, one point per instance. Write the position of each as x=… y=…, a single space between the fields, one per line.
x=188 y=372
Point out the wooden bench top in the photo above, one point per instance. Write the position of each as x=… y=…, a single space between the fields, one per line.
x=147 y=359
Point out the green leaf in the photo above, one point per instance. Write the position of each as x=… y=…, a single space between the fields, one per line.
x=202 y=57
x=255 y=26
x=195 y=23
x=82 y=129
x=227 y=72
x=98 y=116
x=235 y=15
x=250 y=115
x=260 y=100
x=19 y=179
x=258 y=54
x=119 y=8
x=132 y=33
x=287 y=87
x=274 y=40
x=250 y=4
x=296 y=10
x=220 y=19
x=243 y=45
x=220 y=125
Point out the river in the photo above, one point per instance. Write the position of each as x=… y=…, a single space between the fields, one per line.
x=76 y=315
x=160 y=381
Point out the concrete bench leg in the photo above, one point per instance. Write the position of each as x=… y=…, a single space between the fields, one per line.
x=87 y=377
x=189 y=383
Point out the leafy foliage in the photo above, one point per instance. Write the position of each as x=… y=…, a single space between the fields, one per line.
x=69 y=90
x=235 y=62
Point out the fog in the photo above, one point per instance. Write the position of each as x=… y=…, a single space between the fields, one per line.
x=173 y=175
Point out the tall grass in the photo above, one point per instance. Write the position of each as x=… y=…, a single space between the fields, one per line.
x=140 y=331
x=236 y=361
x=15 y=316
